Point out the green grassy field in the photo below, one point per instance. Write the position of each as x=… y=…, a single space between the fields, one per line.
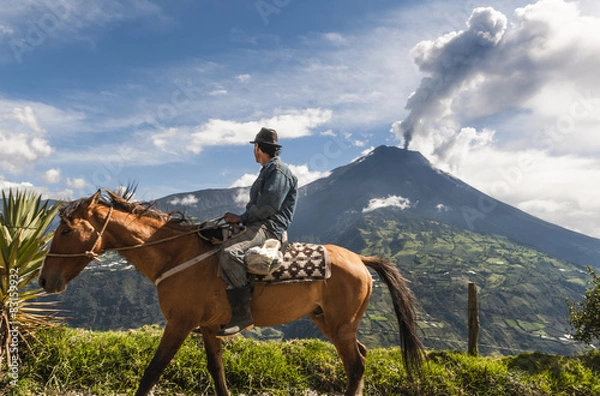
x=66 y=361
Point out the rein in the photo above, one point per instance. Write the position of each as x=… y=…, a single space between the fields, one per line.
x=185 y=265
x=93 y=255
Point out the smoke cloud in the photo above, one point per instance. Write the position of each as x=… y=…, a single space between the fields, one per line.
x=495 y=69
x=451 y=61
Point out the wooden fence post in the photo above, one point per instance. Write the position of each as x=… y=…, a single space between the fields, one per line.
x=473 y=308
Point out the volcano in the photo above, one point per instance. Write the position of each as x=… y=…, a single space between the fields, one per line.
x=390 y=174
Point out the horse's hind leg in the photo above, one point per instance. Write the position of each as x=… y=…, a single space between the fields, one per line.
x=352 y=352
x=214 y=357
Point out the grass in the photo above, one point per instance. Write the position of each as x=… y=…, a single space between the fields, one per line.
x=79 y=362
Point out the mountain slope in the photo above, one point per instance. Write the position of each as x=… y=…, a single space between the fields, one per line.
x=522 y=292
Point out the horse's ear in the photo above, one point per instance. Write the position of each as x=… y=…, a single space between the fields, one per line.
x=96 y=197
x=113 y=196
x=93 y=200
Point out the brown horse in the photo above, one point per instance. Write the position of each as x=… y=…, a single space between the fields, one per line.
x=193 y=295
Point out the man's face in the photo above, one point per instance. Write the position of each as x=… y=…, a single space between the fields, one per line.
x=256 y=152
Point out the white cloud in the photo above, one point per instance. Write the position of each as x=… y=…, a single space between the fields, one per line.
x=335 y=38
x=27 y=117
x=43 y=191
x=76 y=183
x=245 y=181
x=52 y=176
x=541 y=207
x=6 y=30
x=23 y=141
x=391 y=201
x=188 y=200
x=450 y=153
x=6 y=185
x=163 y=140
x=442 y=208
x=304 y=175
x=218 y=92
x=241 y=197
x=243 y=78
x=363 y=154
x=41 y=119
x=540 y=184
x=366 y=152
x=217 y=132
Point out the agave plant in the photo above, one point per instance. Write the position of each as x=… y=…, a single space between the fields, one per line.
x=24 y=236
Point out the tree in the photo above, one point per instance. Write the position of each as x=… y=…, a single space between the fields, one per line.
x=24 y=236
x=585 y=315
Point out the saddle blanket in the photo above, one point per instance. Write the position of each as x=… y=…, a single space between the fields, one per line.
x=302 y=262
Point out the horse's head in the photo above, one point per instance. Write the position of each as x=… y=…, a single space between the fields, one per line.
x=77 y=240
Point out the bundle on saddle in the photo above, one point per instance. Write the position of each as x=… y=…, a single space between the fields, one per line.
x=270 y=263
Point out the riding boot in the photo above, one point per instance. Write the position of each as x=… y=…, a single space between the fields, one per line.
x=241 y=317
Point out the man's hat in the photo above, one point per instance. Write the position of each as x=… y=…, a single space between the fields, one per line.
x=266 y=136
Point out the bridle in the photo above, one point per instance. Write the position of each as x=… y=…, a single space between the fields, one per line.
x=94 y=256
x=88 y=253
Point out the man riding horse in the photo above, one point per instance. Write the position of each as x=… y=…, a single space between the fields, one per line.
x=267 y=216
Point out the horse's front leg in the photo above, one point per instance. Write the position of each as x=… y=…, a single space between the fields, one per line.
x=172 y=338
x=214 y=356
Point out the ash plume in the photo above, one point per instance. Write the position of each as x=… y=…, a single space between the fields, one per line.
x=492 y=72
x=451 y=61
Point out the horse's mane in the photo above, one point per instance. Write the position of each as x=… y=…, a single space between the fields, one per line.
x=123 y=201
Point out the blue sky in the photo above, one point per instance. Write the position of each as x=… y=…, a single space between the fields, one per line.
x=503 y=94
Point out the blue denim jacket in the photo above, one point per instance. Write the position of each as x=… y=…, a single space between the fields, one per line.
x=272 y=198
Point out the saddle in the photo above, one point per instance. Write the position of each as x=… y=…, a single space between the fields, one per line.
x=302 y=262
x=216 y=232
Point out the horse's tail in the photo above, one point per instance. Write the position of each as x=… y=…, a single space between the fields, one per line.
x=404 y=305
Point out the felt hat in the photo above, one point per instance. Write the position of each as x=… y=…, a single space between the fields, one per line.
x=266 y=136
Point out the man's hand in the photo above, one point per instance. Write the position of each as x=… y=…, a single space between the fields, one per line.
x=232 y=218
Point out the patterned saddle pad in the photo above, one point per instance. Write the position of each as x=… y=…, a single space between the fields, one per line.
x=302 y=262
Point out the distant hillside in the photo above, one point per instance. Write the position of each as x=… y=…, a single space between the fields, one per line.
x=522 y=292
